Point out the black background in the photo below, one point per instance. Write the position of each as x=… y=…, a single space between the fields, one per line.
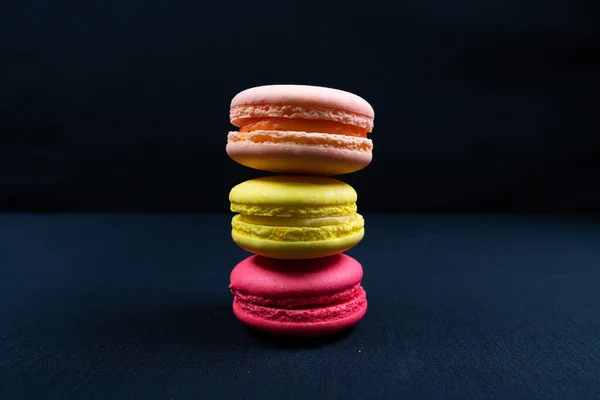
x=123 y=106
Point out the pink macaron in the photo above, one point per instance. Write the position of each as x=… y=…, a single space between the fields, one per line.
x=297 y=297
x=301 y=129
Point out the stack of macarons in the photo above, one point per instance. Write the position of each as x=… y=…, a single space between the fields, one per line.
x=298 y=221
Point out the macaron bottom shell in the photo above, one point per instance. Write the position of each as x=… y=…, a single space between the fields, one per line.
x=296 y=250
x=286 y=242
x=303 y=322
x=300 y=157
x=299 y=329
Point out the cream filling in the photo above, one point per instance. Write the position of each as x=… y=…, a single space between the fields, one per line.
x=295 y=221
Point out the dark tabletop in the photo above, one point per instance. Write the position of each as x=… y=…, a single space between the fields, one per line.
x=133 y=306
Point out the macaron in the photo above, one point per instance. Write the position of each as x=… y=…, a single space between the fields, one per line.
x=299 y=298
x=301 y=129
x=295 y=216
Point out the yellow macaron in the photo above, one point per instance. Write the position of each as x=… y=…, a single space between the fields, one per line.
x=295 y=217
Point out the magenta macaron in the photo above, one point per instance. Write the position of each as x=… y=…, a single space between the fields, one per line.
x=295 y=298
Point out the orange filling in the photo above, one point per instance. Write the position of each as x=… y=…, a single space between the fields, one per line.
x=301 y=125
x=309 y=141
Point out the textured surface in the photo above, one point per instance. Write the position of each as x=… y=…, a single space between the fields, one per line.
x=113 y=307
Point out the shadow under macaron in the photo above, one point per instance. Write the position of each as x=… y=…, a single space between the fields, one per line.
x=297 y=342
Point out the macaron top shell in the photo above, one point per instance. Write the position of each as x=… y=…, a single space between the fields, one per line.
x=279 y=192
x=301 y=101
x=304 y=95
x=272 y=278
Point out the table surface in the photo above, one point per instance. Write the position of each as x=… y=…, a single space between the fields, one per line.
x=137 y=306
